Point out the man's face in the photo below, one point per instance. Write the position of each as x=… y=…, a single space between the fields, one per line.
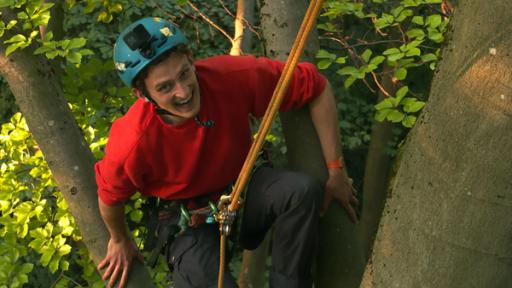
x=172 y=83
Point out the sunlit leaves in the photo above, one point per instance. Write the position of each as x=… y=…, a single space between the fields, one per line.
x=399 y=108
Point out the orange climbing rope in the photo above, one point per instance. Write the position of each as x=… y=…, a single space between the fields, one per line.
x=226 y=213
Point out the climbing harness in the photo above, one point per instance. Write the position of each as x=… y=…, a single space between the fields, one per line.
x=228 y=205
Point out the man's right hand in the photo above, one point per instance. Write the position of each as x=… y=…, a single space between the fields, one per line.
x=118 y=261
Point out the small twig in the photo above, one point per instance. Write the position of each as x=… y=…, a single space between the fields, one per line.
x=226 y=9
x=368 y=85
x=205 y=18
x=377 y=29
x=404 y=38
x=381 y=88
x=42 y=29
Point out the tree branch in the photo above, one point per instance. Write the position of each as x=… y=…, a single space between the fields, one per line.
x=209 y=21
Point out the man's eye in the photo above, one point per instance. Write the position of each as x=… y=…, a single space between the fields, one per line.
x=163 y=88
x=185 y=74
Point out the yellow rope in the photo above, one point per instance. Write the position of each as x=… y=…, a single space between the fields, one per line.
x=275 y=103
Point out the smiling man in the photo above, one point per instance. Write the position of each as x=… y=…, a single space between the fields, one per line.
x=185 y=140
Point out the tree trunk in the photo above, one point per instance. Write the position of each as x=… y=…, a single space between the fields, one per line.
x=39 y=95
x=242 y=41
x=378 y=165
x=252 y=268
x=448 y=221
x=340 y=262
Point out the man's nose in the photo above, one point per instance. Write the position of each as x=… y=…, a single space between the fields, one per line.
x=181 y=90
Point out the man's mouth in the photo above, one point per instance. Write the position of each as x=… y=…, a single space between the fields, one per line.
x=184 y=101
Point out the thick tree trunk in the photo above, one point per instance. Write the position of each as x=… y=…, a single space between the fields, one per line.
x=378 y=165
x=39 y=95
x=340 y=262
x=448 y=221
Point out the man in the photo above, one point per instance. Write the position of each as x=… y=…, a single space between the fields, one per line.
x=186 y=139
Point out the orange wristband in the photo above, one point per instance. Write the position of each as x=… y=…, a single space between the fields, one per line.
x=335 y=164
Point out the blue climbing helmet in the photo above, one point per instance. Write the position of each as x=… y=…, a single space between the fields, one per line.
x=142 y=42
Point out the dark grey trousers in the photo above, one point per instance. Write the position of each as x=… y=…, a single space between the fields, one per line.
x=290 y=201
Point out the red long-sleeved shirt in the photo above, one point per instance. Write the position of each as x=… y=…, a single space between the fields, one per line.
x=187 y=160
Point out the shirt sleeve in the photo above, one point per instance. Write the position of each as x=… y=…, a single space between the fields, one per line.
x=114 y=183
x=306 y=84
x=114 y=186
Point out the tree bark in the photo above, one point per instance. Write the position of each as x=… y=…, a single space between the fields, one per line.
x=448 y=221
x=377 y=168
x=340 y=262
x=39 y=95
x=242 y=41
x=252 y=268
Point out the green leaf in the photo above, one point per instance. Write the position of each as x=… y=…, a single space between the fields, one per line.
x=74 y=57
x=136 y=215
x=413 y=52
x=401 y=92
x=64 y=222
x=43 y=49
x=434 y=20
x=435 y=36
x=349 y=81
x=409 y=121
x=397 y=56
x=414 y=106
x=391 y=51
x=366 y=55
x=324 y=64
x=341 y=60
x=401 y=73
x=384 y=104
x=54 y=264
x=11 y=24
x=26 y=268
x=16 y=38
x=76 y=43
x=348 y=70
x=415 y=33
x=428 y=57
x=47 y=255
x=86 y=52
x=418 y=20
x=64 y=249
x=52 y=54
x=64 y=266
x=395 y=12
x=324 y=54
x=408 y=100
x=6 y=3
x=22 y=15
x=382 y=114
x=377 y=60
x=404 y=14
x=395 y=116
x=67 y=231
x=39 y=233
x=48 y=36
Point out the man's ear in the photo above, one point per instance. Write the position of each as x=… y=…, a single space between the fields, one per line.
x=139 y=94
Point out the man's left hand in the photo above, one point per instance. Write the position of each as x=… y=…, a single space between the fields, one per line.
x=339 y=187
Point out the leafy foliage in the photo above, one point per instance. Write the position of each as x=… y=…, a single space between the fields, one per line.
x=40 y=242
x=402 y=35
x=35 y=224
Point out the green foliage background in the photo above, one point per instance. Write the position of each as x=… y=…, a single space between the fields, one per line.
x=40 y=242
